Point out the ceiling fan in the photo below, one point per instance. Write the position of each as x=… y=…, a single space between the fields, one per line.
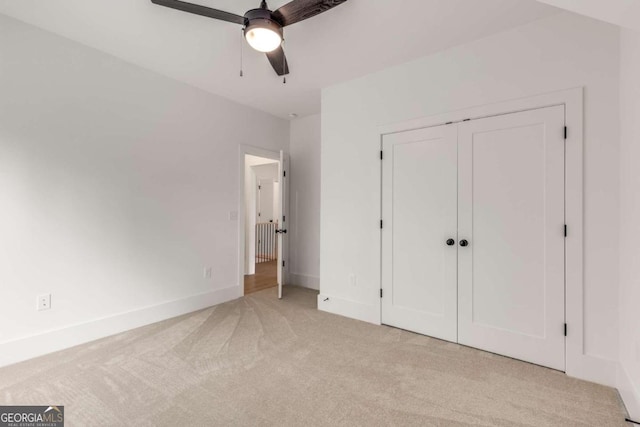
x=263 y=28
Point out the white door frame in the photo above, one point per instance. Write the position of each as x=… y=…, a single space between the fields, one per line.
x=283 y=241
x=243 y=151
x=578 y=364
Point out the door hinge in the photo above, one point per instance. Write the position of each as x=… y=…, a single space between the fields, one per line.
x=566 y=230
x=566 y=132
x=381 y=224
x=284 y=218
x=381 y=155
x=259 y=187
x=380 y=293
x=283 y=263
x=565 y=329
x=284 y=174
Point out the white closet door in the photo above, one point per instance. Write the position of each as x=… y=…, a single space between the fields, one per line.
x=420 y=215
x=511 y=212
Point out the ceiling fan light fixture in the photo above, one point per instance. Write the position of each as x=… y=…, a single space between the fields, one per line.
x=263 y=35
x=262 y=28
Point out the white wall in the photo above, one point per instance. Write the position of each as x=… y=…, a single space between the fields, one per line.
x=629 y=375
x=304 y=204
x=625 y=13
x=556 y=53
x=116 y=191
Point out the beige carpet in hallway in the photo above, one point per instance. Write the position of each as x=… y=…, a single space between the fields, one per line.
x=259 y=361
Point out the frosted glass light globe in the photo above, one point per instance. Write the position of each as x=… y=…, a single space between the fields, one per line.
x=263 y=39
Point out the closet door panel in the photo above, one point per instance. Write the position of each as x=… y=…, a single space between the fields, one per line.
x=420 y=215
x=511 y=213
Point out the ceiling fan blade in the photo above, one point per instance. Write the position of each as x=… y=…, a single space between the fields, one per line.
x=201 y=10
x=299 y=10
x=278 y=61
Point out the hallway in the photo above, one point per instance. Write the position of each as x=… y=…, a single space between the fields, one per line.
x=266 y=277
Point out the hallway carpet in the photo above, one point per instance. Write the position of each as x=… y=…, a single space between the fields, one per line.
x=258 y=361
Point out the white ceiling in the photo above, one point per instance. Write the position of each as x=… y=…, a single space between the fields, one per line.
x=356 y=38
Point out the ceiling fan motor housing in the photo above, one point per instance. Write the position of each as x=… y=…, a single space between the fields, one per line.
x=261 y=18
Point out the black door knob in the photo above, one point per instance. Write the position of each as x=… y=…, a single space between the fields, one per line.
x=464 y=243
x=451 y=242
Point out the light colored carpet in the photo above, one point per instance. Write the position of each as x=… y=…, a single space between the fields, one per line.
x=259 y=361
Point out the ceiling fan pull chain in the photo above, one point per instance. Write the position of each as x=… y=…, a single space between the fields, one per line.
x=284 y=64
x=241 y=51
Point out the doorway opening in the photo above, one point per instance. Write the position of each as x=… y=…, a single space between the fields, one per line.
x=262 y=222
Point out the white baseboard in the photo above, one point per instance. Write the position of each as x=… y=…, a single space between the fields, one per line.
x=593 y=369
x=347 y=308
x=38 y=345
x=630 y=393
x=306 y=281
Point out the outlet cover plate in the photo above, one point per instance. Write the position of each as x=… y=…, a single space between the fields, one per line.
x=44 y=302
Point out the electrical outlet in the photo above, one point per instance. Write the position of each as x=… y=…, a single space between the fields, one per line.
x=44 y=302
x=353 y=281
x=208 y=272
